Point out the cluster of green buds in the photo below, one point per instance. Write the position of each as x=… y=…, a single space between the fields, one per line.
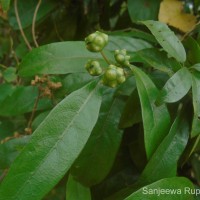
x=95 y=42
x=114 y=74
x=122 y=58
x=93 y=67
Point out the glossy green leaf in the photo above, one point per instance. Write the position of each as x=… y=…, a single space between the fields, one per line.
x=156 y=120
x=98 y=155
x=57 y=58
x=128 y=43
x=76 y=191
x=196 y=104
x=54 y=146
x=26 y=10
x=167 y=39
x=159 y=60
x=5 y=4
x=175 y=188
x=143 y=9
x=176 y=87
x=21 y=101
x=10 y=150
x=163 y=163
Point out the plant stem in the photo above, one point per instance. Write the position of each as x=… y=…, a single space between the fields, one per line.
x=105 y=58
x=33 y=111
x=34 y=21
x=20 y=26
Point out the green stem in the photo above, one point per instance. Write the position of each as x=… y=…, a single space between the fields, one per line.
x=104 y=57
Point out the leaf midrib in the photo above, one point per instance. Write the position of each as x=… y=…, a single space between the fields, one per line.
x=60 y=138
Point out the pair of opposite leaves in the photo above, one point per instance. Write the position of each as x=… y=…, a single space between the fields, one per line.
x=171 y=12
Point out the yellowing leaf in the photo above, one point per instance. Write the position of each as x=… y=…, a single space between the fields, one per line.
x=171 y=12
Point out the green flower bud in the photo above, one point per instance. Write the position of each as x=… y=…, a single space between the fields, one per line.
x=122 y=58
x=95 y=42
x=93 y=67
x=113 y=76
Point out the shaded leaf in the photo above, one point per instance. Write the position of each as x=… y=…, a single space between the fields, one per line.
x=176 y=87
x=10 y=150
x=156 y=120
x=21 y=101
x=143 y=9
x=167 y=39
x=193 y=54
x=76 y=191
x=26 y=10
x=159 y=60
x=132 y=111
x=10 y=74
x=54 y=146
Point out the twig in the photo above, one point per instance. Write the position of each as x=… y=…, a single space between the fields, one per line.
x=34 y=21
x=187 y=33
x=20 y=26
x=105 y=58
x=33 y=111
x=13 y=52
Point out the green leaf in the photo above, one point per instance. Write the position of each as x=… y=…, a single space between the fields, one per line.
x=132 y=111
x=159 y=60
x=10 y=74
x=167 y=39
x=163 y=163
x=196 y=104
x=136 y=33
x=196 y=67
x=98 y=155
x=54 y=146
x=128 y=43
x=143 y=9
x=176 y=87
x=26 y=10
x=156 y=120
x=5 y=4
x=57 y=58
x=193 y=54
x=10 y=150
x=176 y=188
x=75 y=81
x=6 y=90
x=21 y=101
x=76 y=191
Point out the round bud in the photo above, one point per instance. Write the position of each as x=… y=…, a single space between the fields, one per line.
x=93 y=67
x=122 y=58
x=113 y=76
x=95 y=42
